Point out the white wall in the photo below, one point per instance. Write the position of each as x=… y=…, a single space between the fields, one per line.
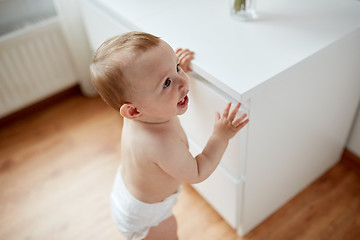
x=354 y=139
x=71 y=21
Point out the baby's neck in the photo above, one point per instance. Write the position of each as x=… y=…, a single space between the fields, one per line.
x=150 y=124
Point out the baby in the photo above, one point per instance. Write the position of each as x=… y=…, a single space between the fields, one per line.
x=142 y=78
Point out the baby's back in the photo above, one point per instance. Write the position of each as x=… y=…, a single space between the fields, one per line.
x=140 y=148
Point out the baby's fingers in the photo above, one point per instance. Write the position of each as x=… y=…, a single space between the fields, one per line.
x=239 y=120
x=217 y=116
x=185 y=56
x=178 y=50
x=234 y=111
x=185 y=62
x=242 y=124
x=182 y=53
x=226 y=110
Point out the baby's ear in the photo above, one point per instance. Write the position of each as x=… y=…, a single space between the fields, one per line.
x=128 y=110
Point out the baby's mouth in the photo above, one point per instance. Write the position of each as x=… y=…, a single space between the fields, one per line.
x=183 y=101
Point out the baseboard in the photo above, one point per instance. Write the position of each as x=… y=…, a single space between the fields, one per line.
x=11 y=118
x=351 y=160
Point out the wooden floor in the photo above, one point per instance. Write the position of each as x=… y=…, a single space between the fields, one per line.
x=57 y=168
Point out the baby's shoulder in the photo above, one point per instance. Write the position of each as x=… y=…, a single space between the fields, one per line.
x=148 y=136
x=157 y=138
x=151 y=141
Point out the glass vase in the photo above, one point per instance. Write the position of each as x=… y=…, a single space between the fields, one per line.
x=243 y=9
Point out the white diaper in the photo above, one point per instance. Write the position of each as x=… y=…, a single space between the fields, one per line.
x=134 y=218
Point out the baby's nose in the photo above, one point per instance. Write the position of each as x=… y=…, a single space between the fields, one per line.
x=183 y=82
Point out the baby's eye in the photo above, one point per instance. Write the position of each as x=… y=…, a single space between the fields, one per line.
x=167 y=83
x=178 y=68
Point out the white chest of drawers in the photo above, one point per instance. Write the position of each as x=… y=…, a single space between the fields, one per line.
x=295 y=69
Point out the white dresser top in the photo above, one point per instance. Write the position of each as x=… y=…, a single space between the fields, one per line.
x=238 y=56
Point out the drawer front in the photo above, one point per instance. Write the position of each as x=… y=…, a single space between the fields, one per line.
x=224 y=193
x=99 y=24
x=198 y=123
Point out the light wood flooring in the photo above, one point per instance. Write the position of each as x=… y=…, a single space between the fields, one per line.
x=56 y=172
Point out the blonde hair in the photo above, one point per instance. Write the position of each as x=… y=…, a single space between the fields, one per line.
x=107 y=68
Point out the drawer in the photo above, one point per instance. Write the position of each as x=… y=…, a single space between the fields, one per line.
x=198 y=123
x=100 y=24
x=224 y=193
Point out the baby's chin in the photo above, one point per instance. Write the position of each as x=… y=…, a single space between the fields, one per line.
x=182 y=111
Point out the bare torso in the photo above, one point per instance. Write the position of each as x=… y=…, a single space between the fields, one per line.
x=143 y=177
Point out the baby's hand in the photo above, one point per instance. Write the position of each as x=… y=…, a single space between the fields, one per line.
x=227 y=124
x=185 y=56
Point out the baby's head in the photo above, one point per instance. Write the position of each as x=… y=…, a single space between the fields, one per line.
x=112 y=59
x=140 y=76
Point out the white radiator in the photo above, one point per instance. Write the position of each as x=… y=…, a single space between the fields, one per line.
x=34 y=64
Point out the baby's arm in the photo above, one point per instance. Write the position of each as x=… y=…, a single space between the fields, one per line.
x=226 y=126
x=176 y=160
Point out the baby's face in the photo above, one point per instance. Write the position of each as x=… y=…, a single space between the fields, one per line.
x=160 y=85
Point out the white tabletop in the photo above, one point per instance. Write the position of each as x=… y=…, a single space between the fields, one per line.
x=238 y=56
